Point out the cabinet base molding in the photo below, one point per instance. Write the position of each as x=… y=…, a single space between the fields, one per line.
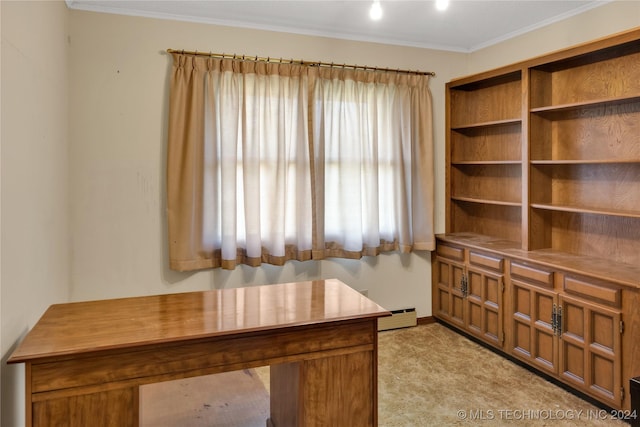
x=426 y=320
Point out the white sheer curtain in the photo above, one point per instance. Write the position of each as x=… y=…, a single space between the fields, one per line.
x=368 y=134
x=257 y=176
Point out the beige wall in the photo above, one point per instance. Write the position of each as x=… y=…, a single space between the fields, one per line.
x=119 y=72
x=85 y=219
x=34 y=167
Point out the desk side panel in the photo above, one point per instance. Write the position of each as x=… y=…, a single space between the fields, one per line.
x=114 y=408
x=339 y=390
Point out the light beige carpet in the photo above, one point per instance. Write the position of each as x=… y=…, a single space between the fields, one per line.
x=432 y=376
x=427 y=376
x=230 y=399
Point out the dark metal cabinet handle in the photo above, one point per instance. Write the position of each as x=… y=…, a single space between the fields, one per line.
x=559 y=321
x=556 y=320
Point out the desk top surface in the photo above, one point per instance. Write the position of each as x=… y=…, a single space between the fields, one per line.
x=82 y=327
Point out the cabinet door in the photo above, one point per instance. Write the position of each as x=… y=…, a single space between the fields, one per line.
x=448 y=298
x=483 y=305
x=590 y=349
x=533 y=337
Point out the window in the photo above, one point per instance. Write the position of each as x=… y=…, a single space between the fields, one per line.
x=272 y=162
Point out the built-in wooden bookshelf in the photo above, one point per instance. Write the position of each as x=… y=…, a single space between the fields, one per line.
x=543 y=178
x=485 y=152
x=585 y=153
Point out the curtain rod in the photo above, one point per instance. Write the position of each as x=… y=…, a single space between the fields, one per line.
x=298 y=62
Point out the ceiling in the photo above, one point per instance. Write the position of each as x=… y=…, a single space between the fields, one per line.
x=466 y=26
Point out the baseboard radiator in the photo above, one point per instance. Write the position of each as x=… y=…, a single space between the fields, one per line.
x=402 y=318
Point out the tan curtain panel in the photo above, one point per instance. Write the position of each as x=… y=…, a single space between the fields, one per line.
x=185 y=153
x=273 y=162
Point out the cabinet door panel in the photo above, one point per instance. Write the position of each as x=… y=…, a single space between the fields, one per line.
x=573 y=316
x=591 y=349
x=572 y=360
x=448 y=300
x=603 y=332
x=457 y=313
x=533 y=336
x=603 y=374
x=456 y=309
x=545 y=351
x=521 y=338
x=441 y=304
x=441 y=298
x=573 y=355
x=484 y=305
x=474 y=318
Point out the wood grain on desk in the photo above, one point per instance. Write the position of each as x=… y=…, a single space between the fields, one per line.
x=86 y=361
x=86 y=327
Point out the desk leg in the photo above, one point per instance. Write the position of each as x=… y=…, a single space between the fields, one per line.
x=112 y=408
x=331 y=391
x=285 y=396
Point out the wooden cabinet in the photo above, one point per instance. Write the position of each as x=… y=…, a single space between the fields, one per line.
x=590 y=349
x=484 y=290
x=565 y=333
x=532 y=318
x=468 y=292
x=543 y=174
x=590 y=329
x=448 y=295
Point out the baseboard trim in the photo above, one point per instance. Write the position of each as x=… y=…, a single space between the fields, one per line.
x=426 y=320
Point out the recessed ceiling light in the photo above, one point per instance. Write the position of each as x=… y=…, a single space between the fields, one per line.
x=376 y=11
x=442 y=4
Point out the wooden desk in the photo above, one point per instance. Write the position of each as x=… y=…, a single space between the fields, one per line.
x=86 y=361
